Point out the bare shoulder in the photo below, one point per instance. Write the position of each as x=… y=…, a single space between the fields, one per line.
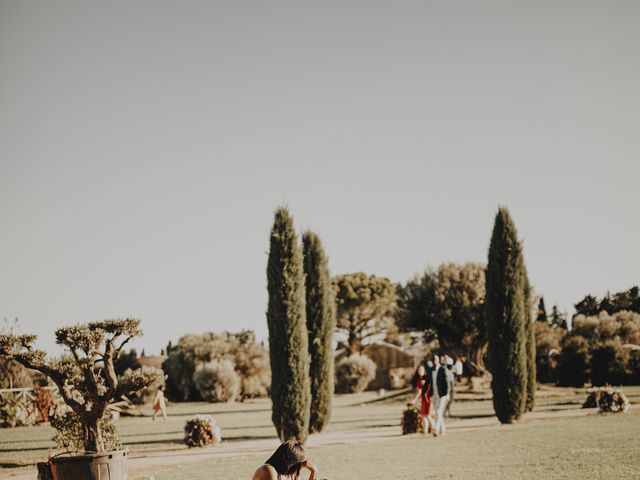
x=265 y=472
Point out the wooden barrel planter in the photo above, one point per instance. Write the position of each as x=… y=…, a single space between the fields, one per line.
x=90 y=466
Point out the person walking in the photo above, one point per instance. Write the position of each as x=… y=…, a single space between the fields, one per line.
x=160 y=403
x=443 y=383
x=423 y=385
x=452 y=390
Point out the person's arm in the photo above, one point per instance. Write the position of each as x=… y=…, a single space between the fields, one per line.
x=313 y=470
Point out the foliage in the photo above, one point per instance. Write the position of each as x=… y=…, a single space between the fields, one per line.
x=126 y=361
x=85 y=377
x=609 y=363
x=588 y=306
x=411 y=421
x=547 y=349
x=628 y=300
x=365 y=306
x=217 y=381
x=354 y=373
x=12 y=374
x=321 y=323
x=288 y=337
x=558 y=319
x=607 y=342
x=541 y=314
x=16 y=411
x=69 y=436
x=573 y=363
x=607 y=400
x=530 y=336
x=505 y=314
x=448 y=302
x=200 y=431
x=250 y=360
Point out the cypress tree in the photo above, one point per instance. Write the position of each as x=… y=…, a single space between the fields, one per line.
x=505 y=316
x=530 y=334
x=287 y=331
x=321 y=322
x=542 y=312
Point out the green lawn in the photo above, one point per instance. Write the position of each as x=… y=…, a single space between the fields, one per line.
x=553 y=444
x=594 y=447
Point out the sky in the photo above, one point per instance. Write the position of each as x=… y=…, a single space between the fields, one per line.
x=144 y=147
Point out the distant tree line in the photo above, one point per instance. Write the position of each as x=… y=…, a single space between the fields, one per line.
x=217 y=367
x=602 y=347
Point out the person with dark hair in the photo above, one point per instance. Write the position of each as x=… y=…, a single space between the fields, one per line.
x=424 y=387
x=286 y=463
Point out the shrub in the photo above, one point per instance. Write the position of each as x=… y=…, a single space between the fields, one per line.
x=608 y=400
x=411 y=422
x=547 y=342
x=69 y=435
x=200 y=431
x=573 y=363
x=250 y=360
x=16 y=411
x=252 y=365
x=217 y=381
x=608 y=364
x=354 y=373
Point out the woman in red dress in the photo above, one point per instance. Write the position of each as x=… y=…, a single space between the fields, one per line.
x=422 y=383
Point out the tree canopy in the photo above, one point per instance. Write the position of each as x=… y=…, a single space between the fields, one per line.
x=365 y=305
x=449 y=302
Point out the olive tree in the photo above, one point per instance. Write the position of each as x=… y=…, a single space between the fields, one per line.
x=86 y=376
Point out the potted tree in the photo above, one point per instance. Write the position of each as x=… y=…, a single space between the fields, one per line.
x=88 y=384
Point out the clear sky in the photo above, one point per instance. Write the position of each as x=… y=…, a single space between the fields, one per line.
x=145 y=145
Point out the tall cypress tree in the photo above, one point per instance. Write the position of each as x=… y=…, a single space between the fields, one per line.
x=287 y=331
x=530 y=334
x=505 y=316
x=542 y=312
x=321 y=322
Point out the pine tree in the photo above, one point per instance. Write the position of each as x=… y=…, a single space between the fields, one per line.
x=530 y=334
x=542 y=312
x=286 y=319
x=505 y=315
x=558 y=319
x=321 y=323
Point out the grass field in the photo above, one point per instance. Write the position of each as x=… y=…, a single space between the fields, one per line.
x=594 y=447
x=554 y=449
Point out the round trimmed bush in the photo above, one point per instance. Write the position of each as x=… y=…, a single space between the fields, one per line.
x=217 y=381
x=354 y=373
x=411 y=421
x=200 y=431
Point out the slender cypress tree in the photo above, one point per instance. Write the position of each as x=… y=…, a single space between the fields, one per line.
x=530 y=334
x=505 y=318
x=287 y=331
x=321 y=322
x=542 y=312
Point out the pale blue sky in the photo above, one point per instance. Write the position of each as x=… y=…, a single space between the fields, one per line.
x=145 y=145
